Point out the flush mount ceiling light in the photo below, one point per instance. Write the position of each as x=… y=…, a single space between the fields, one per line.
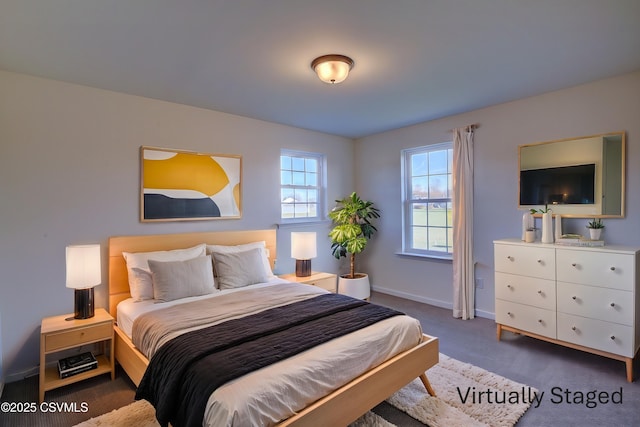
x=332 y=68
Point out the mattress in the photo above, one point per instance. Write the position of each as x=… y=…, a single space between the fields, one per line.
x=271 y=394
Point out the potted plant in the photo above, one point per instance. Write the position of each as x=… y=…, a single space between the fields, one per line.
x=595 y=227
x=352 y=229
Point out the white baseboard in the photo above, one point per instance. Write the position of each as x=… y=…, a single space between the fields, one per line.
x=18 y=376
x=430 y=301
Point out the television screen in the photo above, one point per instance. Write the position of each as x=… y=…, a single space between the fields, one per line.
x=561 y=185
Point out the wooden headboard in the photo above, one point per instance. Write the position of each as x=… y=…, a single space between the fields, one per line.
x=118 y=278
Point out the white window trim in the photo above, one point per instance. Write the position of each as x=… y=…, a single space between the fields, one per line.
x=406 y=223
x=322 y=188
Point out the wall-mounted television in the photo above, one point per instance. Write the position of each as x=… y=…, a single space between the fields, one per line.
x=559 y=185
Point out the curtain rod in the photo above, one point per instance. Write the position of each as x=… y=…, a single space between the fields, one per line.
x=468 y=127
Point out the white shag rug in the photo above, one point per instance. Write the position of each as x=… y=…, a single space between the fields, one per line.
x=456 y=385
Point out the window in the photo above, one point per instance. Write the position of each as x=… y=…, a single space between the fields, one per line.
x=301 y=186
x=427 y=195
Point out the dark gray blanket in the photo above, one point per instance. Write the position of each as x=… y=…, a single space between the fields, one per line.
x=186 y=370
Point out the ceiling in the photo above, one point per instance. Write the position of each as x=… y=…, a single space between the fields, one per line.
x=415 y=60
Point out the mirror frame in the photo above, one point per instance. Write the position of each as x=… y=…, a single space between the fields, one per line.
x=569 y=211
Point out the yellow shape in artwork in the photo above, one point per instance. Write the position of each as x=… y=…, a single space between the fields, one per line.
x=185 y=172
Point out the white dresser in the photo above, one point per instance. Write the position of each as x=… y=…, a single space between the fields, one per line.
x=580 y=297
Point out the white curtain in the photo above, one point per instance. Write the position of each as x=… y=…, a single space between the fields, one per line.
x=463 y=274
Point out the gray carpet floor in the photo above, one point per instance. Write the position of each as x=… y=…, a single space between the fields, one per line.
x=562 y=374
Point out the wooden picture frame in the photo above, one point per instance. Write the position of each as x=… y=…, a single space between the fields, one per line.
x=180 y=185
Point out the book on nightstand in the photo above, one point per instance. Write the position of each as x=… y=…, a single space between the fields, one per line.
x=74 y=365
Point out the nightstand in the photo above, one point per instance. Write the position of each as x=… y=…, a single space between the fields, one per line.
x=326 y=281
x=58 y=334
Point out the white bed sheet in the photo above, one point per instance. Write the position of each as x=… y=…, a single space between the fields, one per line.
x=274 y=393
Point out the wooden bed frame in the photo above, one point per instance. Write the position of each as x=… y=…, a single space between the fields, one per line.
x=341 y=407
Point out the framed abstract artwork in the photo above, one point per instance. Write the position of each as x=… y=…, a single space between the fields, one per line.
x=179 y=185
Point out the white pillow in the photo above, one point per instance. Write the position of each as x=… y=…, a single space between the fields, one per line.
x=264 y=254
x=140 y=283
x=239 y=269
x=180 y=279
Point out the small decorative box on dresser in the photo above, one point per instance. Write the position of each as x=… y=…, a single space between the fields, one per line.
x=586 y=298
x=58 y=334
x=326 y=281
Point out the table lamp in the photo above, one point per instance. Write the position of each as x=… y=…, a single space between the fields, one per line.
x=303 y=248
x=83 y=273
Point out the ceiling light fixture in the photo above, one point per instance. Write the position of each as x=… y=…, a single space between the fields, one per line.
x=332 y=68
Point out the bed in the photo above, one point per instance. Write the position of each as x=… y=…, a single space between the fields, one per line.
x=339 y=405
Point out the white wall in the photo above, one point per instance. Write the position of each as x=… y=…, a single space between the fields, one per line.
x=69 y=174
x=605 y=106
x=1 y=369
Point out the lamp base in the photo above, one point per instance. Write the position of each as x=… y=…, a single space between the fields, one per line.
x=303 y=267
x=83 y=303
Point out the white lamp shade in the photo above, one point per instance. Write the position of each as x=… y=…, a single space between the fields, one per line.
x=83 y=266
x=303 y=245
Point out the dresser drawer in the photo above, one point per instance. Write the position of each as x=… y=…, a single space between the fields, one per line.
x=526 y=290
x=328 y=283
x=75 y=337
x=525 y=261
x=611 y=270
x=606 y=304
x=605 y=336
x=531 y=319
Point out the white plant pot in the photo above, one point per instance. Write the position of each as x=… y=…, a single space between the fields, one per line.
x=594 y=233
x=356 y=288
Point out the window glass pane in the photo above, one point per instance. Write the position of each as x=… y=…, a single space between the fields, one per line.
x=285 y=178
x=312 y=179
x=301 y=196
x=419 y=187
x=313 y=209
x=438 y=162
x=297 y=163
x=286 y=195
x=419 y=214
x=438 y=186
x=437 y=213
x=419 y=164
x=298 y=178
x=419 y=238
x=285 y=162
x=450 y=161
x=287 y=210
x=312 y=196
x=311 y=165
x=301 y=210
x=438 y=239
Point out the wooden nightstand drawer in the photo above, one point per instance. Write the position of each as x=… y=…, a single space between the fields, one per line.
x=327 y=281
x=75 y=337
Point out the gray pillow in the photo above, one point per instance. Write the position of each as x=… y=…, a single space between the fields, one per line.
x=180 y=279
x=235 y=270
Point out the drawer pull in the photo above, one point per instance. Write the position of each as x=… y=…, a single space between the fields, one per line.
x=573 y=264
x=574 y=298
x=613 y=337
x=573 y=328
x=539 y=320
x=539 y=261
x=540 y=292
x=613 y=304
x=509 y=257
x=509 y=314
x=509 y=286
x=612 y=268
